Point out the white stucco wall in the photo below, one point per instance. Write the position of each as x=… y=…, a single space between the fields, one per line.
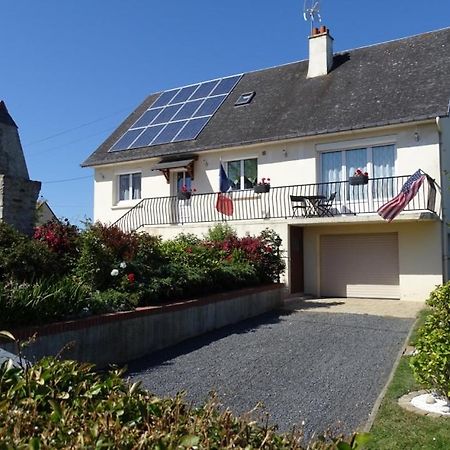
x=285 y=163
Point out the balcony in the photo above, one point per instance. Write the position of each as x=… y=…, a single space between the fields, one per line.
x=349 y=200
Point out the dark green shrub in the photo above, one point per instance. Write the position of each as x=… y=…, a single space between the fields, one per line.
x=111 y=300
x=220 y=232
x=234 y=276
x=431 y=364
x=23 y=259
x=44 y=301
x=63 y=404
x=95 y=263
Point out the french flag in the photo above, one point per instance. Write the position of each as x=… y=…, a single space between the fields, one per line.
x=224 y=203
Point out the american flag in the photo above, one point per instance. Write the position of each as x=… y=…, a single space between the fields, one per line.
x=390 y=210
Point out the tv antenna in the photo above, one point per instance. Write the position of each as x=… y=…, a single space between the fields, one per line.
x=311 y=12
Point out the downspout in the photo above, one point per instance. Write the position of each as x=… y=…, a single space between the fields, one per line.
x=444 y=224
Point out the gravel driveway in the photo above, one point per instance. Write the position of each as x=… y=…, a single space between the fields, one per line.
x=304 y=366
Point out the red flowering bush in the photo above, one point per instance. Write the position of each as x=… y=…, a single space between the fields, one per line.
x=60 y=237
x=123 y=245
x=360 y=173
x=259 y=251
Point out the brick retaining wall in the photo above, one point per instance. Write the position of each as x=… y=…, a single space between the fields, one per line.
x=120 y=337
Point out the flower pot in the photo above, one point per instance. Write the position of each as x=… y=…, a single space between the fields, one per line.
x=362 y=179
x=184 y=195
x=261 y=188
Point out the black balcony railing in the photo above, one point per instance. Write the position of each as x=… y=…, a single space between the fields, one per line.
x=276 y=204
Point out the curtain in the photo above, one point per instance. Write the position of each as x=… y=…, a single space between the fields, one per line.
x=124 y=187
x=136 y=183
x=383 y=166
x=331 y=173
x=234 y=174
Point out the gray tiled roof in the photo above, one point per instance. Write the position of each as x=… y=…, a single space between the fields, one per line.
x=394 y=82
x=5 y=118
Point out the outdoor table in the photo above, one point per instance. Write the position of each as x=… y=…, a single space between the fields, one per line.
x=314 y=202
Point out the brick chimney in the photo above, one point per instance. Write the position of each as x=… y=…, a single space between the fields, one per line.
x=320 y=52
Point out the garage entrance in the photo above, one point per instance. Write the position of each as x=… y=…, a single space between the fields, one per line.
x=359 y=265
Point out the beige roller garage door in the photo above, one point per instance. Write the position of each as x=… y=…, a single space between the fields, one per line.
x=359 y=265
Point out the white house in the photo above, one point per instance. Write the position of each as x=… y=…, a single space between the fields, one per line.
x=308 y=126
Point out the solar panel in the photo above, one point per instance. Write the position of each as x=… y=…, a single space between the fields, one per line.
x=177 y=115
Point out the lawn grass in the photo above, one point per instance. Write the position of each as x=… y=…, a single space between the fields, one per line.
x=395 y=428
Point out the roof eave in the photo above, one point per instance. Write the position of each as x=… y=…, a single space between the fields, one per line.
x=92 y=162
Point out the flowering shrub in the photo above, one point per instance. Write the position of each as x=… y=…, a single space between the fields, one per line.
x=137 y=267
x=185 y=189
x=264 y=182
x=360 y=173
x=122 y=245
x=261 y=252
x=60 y=237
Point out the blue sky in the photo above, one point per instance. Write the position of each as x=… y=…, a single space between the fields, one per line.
x=72 y=70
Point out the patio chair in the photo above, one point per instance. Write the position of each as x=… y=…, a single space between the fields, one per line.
x=299 y=206
x=324 y=207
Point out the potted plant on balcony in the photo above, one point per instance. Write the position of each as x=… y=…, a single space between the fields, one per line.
x=262 y=187
x=359 y=178
x=185 y=193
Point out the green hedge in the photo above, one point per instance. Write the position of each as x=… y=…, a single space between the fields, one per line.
x=63 y=404
x=431 y=364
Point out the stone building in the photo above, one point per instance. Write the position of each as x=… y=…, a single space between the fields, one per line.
x=18 y=194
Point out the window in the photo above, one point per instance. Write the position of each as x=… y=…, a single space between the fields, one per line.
x=243 y=174
x=245 y=99
x=378 y=161
x=130 y=186
x=184 y=181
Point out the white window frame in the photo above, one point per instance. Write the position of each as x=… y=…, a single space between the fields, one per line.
x=241 y=160
x=343 y=146
x=130 y=174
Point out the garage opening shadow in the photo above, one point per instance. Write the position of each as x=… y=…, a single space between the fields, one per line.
x=310 y=303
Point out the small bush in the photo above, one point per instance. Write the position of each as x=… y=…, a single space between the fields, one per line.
x=63 y=404
x=431 y=364
x=111 y=300
x=220 y=232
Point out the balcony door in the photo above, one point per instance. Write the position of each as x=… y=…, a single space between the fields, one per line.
x=181 y=182
x=338 y=166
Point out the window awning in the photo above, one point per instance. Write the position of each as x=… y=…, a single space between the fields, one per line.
x=166 y=166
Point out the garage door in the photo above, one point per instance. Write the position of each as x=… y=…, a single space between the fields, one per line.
x=359 y=265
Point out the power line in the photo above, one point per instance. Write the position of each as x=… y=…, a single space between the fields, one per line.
x=77 y=127
x=66 y=180
x=62 y=147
